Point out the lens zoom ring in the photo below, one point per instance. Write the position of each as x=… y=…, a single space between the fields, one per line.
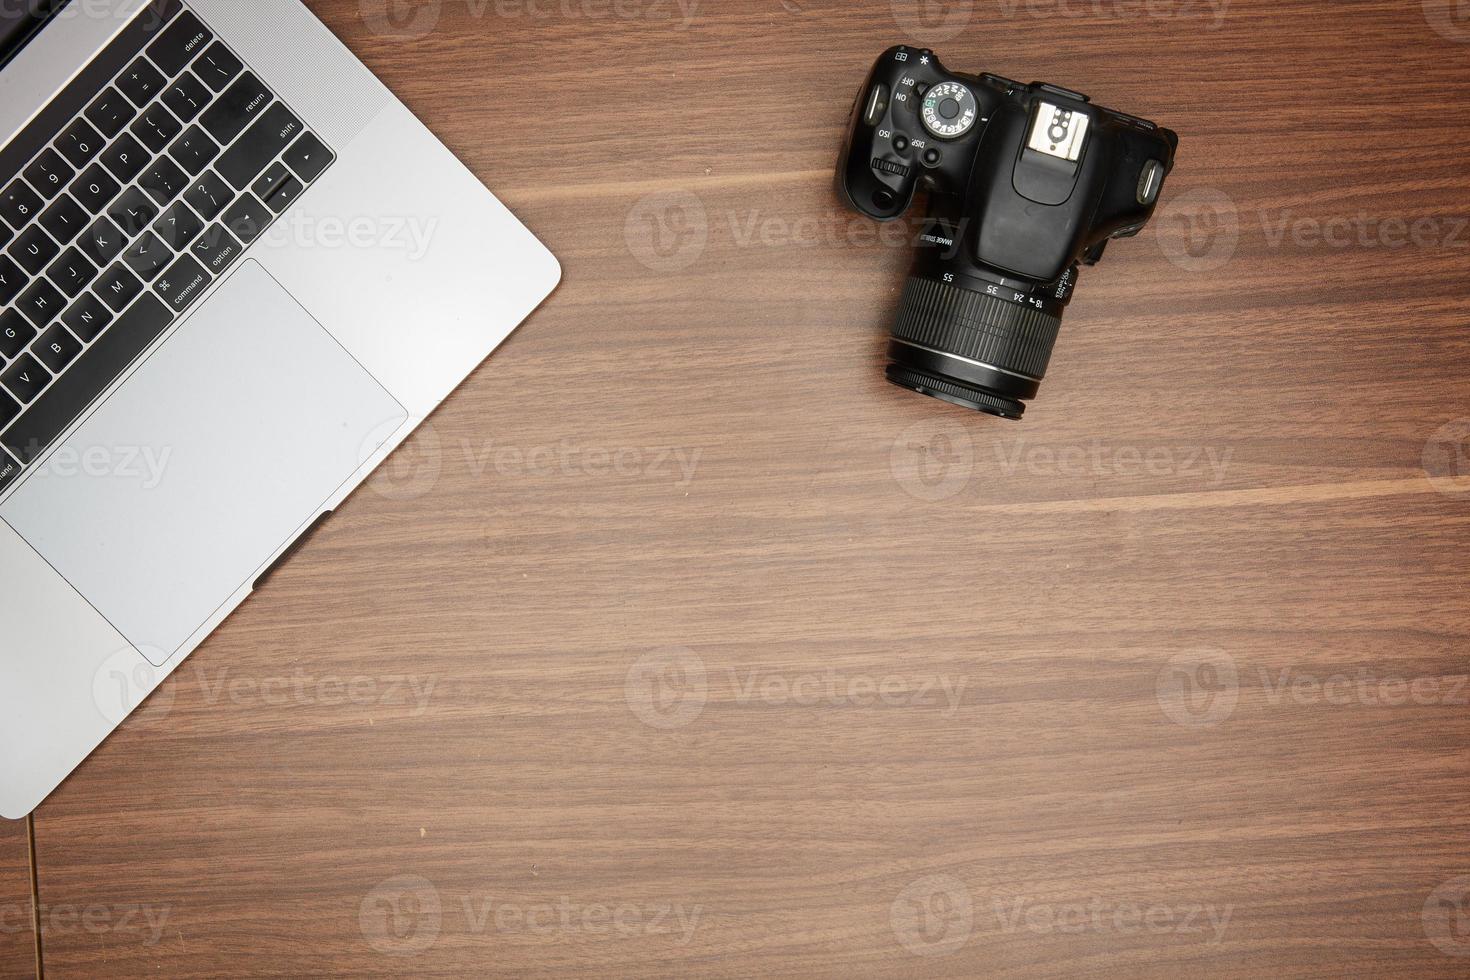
x=979 y=327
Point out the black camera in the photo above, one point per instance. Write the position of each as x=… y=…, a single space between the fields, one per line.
x=1025 y=182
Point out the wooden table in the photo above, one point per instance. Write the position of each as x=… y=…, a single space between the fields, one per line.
x=680 y=644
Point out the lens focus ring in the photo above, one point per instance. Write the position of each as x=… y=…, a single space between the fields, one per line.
x=978 y=327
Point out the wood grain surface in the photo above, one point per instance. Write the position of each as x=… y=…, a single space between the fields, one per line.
x=680 y=644
x=17 y=916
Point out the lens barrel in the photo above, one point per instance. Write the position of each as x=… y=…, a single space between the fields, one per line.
x=983 y=350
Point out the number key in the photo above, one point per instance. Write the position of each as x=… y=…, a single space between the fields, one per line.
x=18 y=204
x=48 y=173
x=79 y=142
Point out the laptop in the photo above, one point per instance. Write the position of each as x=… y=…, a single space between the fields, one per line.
x=235 y=273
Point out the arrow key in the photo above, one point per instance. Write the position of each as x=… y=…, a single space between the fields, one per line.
x=308 y=156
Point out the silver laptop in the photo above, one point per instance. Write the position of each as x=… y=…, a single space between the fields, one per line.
x=235 y=273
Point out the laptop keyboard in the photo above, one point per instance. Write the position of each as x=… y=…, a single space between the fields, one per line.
x=123 y=200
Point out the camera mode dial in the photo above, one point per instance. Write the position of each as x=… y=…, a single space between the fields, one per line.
x=949 y=110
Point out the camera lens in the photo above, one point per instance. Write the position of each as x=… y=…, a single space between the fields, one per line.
x=985 y=349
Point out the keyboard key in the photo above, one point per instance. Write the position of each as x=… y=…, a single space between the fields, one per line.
x=178 y=45
x=133 y=212
x=9 y=468
x=267 y=136
x=236 y=108
x=41 y=303
x=178 y=226
x=269 y=182
x=193 y=150
x=308 y=156
x=186 y=96
x=147 y=256
x=5 y=234
x=217 y=66
x=217 y=248
x=12 y=279
x=72 y=272
x=33 y=248
x=102 y=241
x=87 y=317
x=286 y=192
x=18 y=204
x=156 y=127
x=126 y=158
x=56 y=349
x=79 y=142
x=15 y=332
x=98 y=367
x=164 y=181
x=48 y=173
x=64 y=219
x=182 y=283
x=9 y=409
x=247 y=218
x=140 y=82
x=110 y=112
x=25 y=378
x=95 y=188
x=118 y=287
x=209 y=195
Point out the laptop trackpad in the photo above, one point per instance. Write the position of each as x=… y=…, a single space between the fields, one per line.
x=216 y=453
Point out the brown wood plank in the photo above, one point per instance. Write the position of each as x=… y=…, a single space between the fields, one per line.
x=1172 y=673
x=17 y=916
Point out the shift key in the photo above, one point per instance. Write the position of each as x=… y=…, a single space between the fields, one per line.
x=262 y=143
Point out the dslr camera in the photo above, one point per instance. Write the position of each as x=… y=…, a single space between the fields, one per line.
x=1026 y=183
